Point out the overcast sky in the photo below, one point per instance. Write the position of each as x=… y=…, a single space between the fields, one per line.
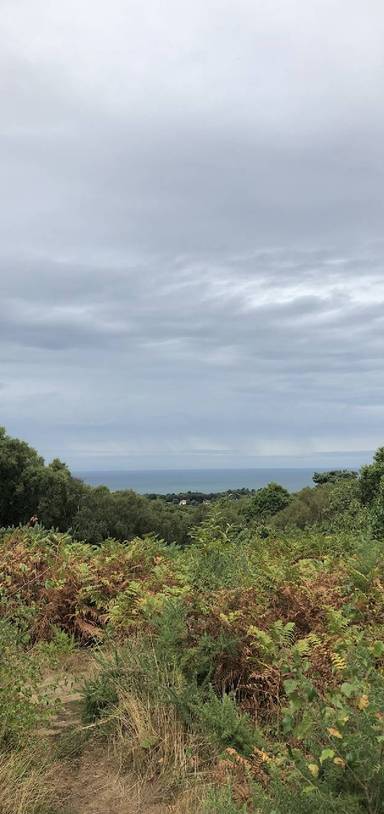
x=191 y=231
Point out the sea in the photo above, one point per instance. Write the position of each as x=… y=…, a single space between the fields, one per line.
x=167 y=481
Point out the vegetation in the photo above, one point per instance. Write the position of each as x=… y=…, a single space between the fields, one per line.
x=50 y=493
x=196 y=498
x=243 y=672
x=333 y=476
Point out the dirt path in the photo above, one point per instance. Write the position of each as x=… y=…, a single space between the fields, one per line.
x=94 y=787
x=88 y=781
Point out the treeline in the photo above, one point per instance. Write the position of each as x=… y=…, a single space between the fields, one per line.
x=29 y=488
x=193 y=498
x=341 y=500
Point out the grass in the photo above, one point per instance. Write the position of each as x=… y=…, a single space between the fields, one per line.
x=28 y=783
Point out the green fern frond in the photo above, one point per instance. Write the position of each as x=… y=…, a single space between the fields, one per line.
x=305 y=645
x=283 y=634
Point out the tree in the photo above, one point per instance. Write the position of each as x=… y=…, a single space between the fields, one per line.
x=371 y=477
x=125 y=514
x=60 y=497
x=20 y=471
x=268 y=501
x=306 y=508
x=333 y=476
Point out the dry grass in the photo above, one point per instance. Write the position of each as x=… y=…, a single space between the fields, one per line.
x=189 y=801
x=28 y=783
x=92 y=786
x=152 y=742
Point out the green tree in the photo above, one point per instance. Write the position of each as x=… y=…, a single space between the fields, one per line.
x=371 y=477
x=60 y=496
x=306 y=508
x=268 y=501
x=20 y=471
x=125 y=515
x=377 y=513
x=333 y=476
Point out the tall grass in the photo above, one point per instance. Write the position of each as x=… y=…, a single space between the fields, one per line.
x=28 y=783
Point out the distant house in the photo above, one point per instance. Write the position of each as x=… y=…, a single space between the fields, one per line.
x=182 y=503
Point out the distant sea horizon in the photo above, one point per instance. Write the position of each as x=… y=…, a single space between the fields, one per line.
x=166 y=481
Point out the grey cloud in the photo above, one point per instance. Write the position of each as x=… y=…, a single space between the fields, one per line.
x=191 y=261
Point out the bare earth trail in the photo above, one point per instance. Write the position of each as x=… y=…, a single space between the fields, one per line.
x=89 y=783
x=92 y=786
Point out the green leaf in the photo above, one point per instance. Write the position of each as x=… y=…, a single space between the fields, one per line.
x=327 y=754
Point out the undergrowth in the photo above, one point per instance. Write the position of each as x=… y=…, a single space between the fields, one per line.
x=246 y=666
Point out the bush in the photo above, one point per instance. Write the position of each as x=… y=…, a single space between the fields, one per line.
x=225 y=726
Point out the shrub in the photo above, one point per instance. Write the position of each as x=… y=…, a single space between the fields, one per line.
x=223 y=724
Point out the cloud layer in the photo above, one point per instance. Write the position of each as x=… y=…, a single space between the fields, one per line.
x=191 y=263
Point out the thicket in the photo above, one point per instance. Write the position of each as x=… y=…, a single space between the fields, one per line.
x=195 y=498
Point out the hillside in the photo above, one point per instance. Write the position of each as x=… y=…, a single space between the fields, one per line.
x=241 y=670
x=242 y=673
